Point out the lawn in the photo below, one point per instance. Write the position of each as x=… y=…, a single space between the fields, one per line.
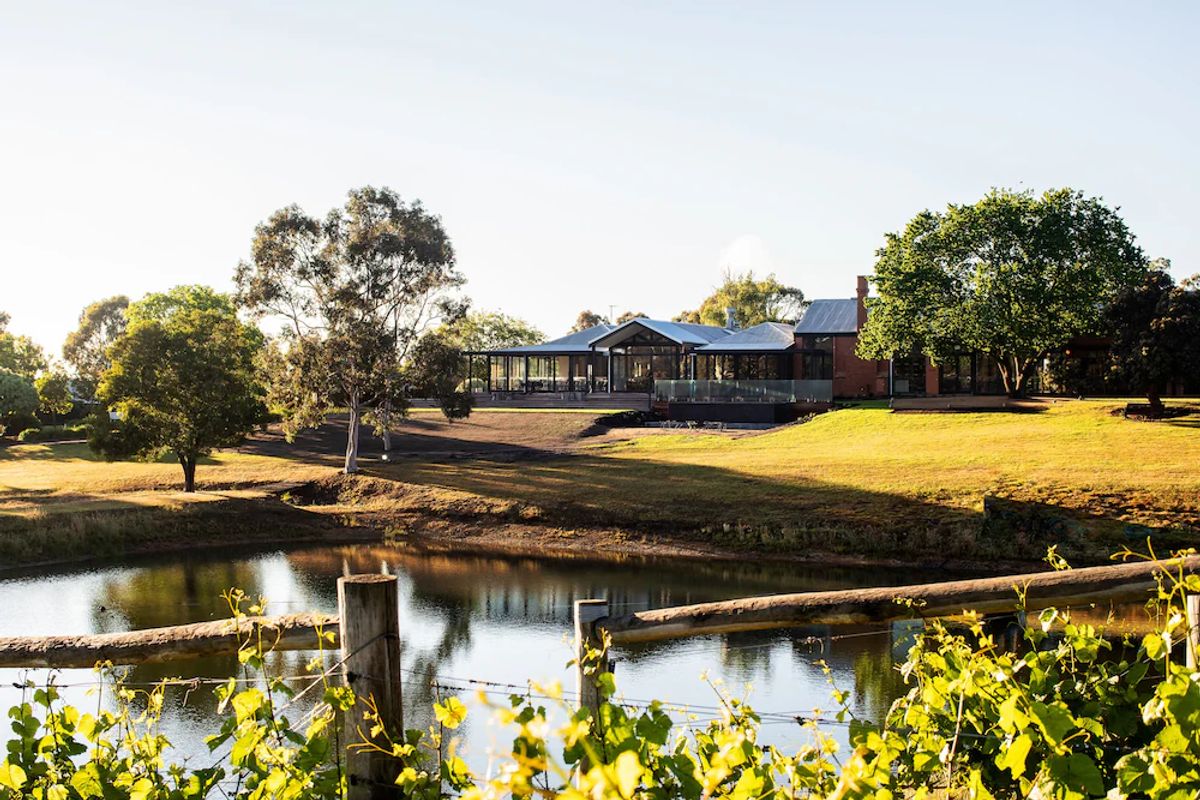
x=860 y=480
x=865 y=477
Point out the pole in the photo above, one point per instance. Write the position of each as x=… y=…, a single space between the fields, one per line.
x=586 y=614
x=370 y=632
x=1193 y=621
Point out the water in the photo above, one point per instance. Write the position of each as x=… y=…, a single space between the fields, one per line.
x=475 y=617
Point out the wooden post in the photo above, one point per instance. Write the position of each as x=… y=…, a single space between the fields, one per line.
x=1193 y=622
x=586 y=614
x=370 y=631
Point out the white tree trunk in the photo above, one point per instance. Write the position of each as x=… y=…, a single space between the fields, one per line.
x=385 y=422
x=352 y=437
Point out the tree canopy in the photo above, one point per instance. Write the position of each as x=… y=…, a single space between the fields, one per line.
x=587 y=319
x=20 y=354
x=54 y=392
x=435 y=370
x=628 y=315
x=1012 y=276
x=183 y=380
x=1155 y=330
x=86 y=348
x=355 y=290
x=753 y=300
x=18 y=400
x=489 y=330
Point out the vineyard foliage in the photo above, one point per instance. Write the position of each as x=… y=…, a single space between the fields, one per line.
x=1069 y=713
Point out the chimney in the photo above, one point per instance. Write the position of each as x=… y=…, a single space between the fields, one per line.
x=861 y=298
x=731 y=318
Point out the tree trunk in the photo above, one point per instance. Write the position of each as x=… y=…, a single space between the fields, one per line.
x=1005 y=374
x=189 y=472
x=1154 y=395
x=385 y=422
x=352 y=437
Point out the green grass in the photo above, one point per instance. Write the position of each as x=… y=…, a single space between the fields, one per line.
x=860 y=480
x=867 y=480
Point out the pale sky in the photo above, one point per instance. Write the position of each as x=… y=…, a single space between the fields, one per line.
x=580 y=155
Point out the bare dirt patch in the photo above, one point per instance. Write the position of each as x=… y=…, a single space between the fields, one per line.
x=494 y=435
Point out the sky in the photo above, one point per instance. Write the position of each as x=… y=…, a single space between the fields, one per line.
x=580 y=155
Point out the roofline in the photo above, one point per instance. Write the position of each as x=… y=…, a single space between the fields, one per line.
x=634 y=321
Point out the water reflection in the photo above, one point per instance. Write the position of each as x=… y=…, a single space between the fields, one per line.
x=504 y=620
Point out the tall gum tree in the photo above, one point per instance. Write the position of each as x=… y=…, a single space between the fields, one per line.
x=354 y=290
x=1013 y=276
x=86 y=348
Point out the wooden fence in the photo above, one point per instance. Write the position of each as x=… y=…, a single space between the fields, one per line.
x=367 y=628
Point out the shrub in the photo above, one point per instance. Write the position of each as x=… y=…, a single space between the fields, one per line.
x=16 y=423
x=18 y=401
x=53 y=433
x=457 y=405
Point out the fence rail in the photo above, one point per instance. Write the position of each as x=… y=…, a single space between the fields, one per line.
x=854 y=606
x=290 y=632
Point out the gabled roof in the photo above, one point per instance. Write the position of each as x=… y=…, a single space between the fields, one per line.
x=679 y=332
x=764 y=337
x=829 y=317
x=571 y=343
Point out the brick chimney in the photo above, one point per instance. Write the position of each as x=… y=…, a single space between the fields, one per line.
x=861 y=298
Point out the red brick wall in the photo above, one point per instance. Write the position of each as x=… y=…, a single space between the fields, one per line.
x=932 y=383
x=856 y=377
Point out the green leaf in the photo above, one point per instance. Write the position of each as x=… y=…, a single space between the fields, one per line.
x=12 y=776
x=1077 y=772
x=1013 y=757
x=1054 y=721
x=450 y=713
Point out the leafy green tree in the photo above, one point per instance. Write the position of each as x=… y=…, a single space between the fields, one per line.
x=21 y=355
x=355 y=291
x=753 y=300
x=54 y=393
x=488 y=330
x=182 y=380
x=1012 y=276
x=86 y=348
x=1155 y=329
x=18 y=400
x=435 y=370
x=587 y=319
x=628 y=315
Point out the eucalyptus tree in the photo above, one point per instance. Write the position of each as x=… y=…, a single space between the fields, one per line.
x=587 y=319
x=86 y=348
x=753 y=300
x=354 y=290
x=1012 y=276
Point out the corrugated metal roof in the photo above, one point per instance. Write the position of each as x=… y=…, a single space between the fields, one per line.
x=571 y=343
x=829 y=317
x=681 y=332
x=766 y=336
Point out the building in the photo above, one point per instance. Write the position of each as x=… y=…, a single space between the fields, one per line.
x=810 y=362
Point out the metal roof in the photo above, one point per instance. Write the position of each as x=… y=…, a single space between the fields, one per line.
x=829 y=317
x=679 y=332
x=571 y=343
x=766 y=336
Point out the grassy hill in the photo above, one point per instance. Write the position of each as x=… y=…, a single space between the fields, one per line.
x=861 y=481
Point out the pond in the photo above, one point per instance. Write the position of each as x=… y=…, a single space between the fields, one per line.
x=476 y=623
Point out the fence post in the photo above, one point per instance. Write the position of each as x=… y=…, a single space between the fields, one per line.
x=586 y=613
x=370 y=633
x=1192 y=601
